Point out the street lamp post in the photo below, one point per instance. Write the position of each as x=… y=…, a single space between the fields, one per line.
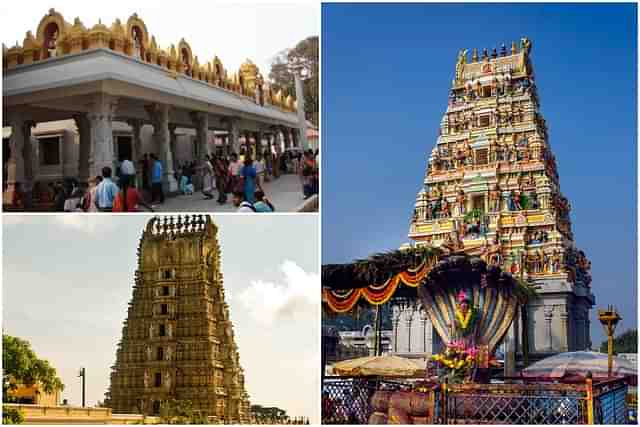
x=83 y=375
x=609 y=319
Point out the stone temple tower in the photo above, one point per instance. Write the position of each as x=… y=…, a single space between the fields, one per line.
x=492 y=189
x=177 y=341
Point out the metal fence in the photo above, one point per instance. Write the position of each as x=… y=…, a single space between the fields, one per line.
x=609 y=403
x=348 y=400
x=514 y=407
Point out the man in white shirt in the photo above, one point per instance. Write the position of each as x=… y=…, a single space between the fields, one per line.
x=127 y=172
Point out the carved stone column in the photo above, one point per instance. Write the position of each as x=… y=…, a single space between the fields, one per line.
x=564 y=329
x=15 y=166
x=395 y=320
x=27 y=155
x=234 y=136
x=548 y=319
x=84 y=150
x=201 y=122
x=136 y=146
x=286 y=138
x=101 y=112
x=302 y=128
x=426 y=339
x=410 y=312
x=159 y=115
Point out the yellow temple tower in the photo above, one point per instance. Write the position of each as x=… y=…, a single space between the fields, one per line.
x=178 y=341
x=492 y=189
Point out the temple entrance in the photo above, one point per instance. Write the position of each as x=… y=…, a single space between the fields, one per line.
x=124 y=148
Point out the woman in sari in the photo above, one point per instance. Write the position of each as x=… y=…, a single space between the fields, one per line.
x=248 y=173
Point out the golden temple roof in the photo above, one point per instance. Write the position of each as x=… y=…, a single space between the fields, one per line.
x=57 y=37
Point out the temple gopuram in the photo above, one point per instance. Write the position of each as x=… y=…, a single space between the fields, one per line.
x=77 y=99
x=492 y=190
x=178 y=341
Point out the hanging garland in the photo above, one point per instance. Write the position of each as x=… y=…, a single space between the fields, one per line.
x=343 y=301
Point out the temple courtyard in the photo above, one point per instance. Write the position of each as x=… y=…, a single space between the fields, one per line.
x=285 y=193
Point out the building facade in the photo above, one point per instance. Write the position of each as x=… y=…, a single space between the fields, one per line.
x=492 y=189
x=178 y=341
x=115 y=83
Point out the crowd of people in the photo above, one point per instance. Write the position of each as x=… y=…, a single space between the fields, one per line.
x=141 y=186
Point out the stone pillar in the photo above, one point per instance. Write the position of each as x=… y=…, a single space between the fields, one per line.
x=587 y=331
x=409 y=319
x=285 y=136
x=294 y=140
x=395 y=322
x=159 y=114
x=84 y=150
x=27 y=155
x=564 y=329
x=15 y=166
x=424 y=318
x=548 y=318
x=234 y=136
x=201 y=122
x=302 y=127
x=136 y=146
x=101 y=112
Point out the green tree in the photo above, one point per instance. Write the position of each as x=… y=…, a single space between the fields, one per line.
x=626 y=342
x=306 y=56
x=181 y=412
x=12 y=416
x=21 y=365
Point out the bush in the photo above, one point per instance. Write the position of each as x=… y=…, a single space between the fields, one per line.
x=12 y=416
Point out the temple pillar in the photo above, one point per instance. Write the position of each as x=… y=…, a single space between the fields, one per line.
x=84 y=150
x=159 y=114
x=247 y=143
x=294 y=140
x=548 y=318
x=234 y=136
x=301 y=133
x=285 y=137
x=101 y=112
x=201 y=122
x=173 y=140
x=395 y=321
x=15 y=166
x=136 y=146
x=27 y=155
x=564 y=329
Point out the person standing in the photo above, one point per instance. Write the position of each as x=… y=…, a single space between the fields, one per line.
x=207 y=178
x=220 y=172
x=248 y=174
x=234 y=172
x=127 y=172
x=106 y=191
x=157 y=194
x=88 y=201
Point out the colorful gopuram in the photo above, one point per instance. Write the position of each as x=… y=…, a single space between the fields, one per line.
x=492 y=189
x=178 y=341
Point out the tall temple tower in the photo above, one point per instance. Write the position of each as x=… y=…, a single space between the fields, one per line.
x=492 y=189
x=177 y=341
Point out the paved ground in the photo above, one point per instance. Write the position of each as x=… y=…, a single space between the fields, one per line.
x=285 y=193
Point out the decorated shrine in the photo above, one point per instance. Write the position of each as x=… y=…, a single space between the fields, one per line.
x=178 y=341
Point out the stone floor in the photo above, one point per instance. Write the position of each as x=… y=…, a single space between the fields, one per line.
x=285 y=193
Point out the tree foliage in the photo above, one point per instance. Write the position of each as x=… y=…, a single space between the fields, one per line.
x=181 y=412
x=12 y=416
x=626 y=342
x=21 y=365
x=306 y=56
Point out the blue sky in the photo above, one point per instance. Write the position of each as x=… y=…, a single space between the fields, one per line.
x=386 y=72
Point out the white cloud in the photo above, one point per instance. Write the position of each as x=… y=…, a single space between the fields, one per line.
x=297 y=296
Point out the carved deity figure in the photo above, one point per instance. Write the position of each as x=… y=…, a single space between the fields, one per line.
x=150 y=331
x=52 y=44
x=167 y=380
x=465 y=321
x=462 y=60
x=494 y=199
x=137 y=45
x=461 y=202
x=146 y=378
x=148 y=353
